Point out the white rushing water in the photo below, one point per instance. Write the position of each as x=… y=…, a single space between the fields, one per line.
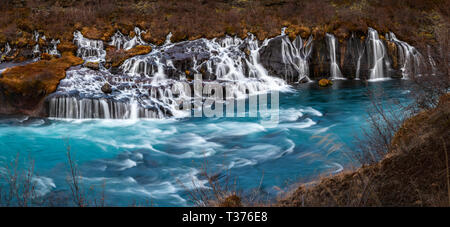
x=332 y=49
x=295 y=54
x=377 y=56
x=410 y=59
x=88 y=49
x=52 y=46
x=145 y=88
x=5 y=52
x=121 y=41
x=155 y=84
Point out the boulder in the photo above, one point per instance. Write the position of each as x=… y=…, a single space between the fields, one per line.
x=92 y=65
x=325 y=82
x=106 y=88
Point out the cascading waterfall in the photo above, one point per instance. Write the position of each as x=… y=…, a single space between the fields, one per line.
x=360 y=53
x=53 y=48
x=409 y=57
x=79 y=96
x=36 y=51
x=144 y=89
x=121 y=41
x=377 y=56
x=296 y=54
x=144 y=86
x=88 y=49
x=6 y=51
x=334 y=67
x=223 y=59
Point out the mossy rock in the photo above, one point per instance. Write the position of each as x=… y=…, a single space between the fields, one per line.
x=325 y=82
x=92 y=65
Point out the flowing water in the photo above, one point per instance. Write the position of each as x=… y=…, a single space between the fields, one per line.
x=377 y=56
x=332 y=48
x=159 y=160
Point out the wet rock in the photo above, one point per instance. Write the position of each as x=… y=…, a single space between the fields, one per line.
x=303 y=80
x=320 y=60
x=271 y=57
x=106 y=88
x=92 y=65
x=353 y=57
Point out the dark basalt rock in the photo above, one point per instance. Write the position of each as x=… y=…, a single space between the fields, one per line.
x=106 y=88
x=354 y=52
x=319 y=65
x=271 y=58
x=183 y=54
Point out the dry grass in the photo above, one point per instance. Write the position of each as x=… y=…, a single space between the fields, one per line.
x=197 y=18
x=222 y=190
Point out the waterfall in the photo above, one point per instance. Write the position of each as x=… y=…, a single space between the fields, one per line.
x=145 y=87
x=334 y=67
x=295 y=54
x=53 y=48
x=360 y=53
x=88 y=49
x=168 y=37
x=74 y=108
x=377 y=56
x=6 y=51
x=121 y=41
x=36 y=51
x=409 y=57
x=36 y=36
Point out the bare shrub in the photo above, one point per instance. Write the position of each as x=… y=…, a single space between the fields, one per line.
x=19 y=185
x=384 y=119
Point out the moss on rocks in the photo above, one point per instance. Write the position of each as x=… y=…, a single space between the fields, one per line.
x=325 y=82
x=116 y=57
x=23 y=88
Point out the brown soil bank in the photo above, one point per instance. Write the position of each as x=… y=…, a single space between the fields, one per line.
x=414 y=173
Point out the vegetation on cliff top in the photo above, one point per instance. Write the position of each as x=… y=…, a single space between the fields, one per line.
x=99 y=19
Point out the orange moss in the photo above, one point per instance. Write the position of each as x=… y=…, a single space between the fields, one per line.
x=46 y=56
x=39 y=78
x=91 y=33
x=392 y=52
x=67 y=46
x=116 y=57
x=325 y=82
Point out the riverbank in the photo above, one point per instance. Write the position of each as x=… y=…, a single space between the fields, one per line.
x=414 y=173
